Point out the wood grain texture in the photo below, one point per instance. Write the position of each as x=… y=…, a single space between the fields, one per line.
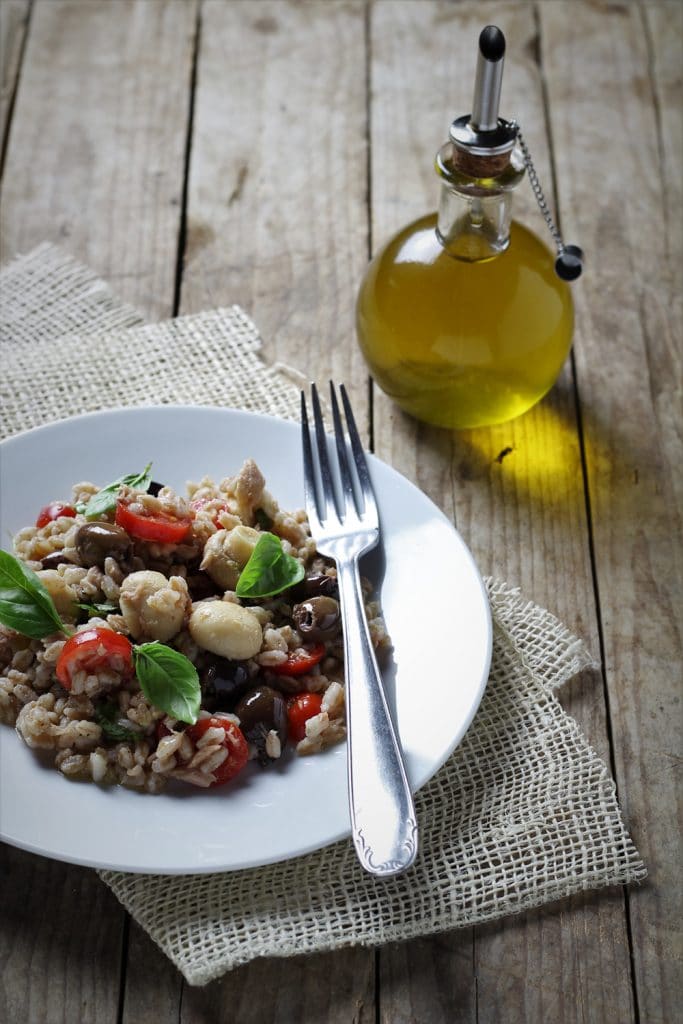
x=629 y=323
x=663 y=26
x=60 y=943
x=96 y=161
x=430 y=980
x=523 y=514
x=337 y=988
x=142 y=1002
x=561 y=963
x=276 y=217
x=13 y=26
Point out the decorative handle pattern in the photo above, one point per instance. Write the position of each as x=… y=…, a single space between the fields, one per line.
x=383 y=822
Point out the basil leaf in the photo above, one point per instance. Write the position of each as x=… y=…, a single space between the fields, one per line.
x=169 y=680
x=25 y=604
x=98 y=609
x=269 y=570
x=105 y=500
x=107 y=717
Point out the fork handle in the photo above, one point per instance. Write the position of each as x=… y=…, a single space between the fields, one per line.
x=383 y=822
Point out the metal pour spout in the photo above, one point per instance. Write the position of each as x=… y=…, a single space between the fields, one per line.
x=483 y=133
x=489 y=78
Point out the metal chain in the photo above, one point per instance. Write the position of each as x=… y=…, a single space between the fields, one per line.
x=537 y=189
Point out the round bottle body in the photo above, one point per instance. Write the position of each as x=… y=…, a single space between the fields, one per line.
x=463 y=344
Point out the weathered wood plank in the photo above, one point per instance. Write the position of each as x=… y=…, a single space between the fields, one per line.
x=96 y=160
x=276 y=208
x=556 y=964
x=523 y=515
x=336 y=988
x=144 y=1002
x=663 y=24
x=60 y=942
x=629 y=328
x=96 y=163
x=13 y=27
x=276 y=221
x=429 y=980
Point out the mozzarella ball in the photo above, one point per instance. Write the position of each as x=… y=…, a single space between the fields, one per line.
x=226 y=629
x=226 y=553
x=154 y=607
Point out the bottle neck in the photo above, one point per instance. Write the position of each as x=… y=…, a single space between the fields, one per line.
x=475 y=213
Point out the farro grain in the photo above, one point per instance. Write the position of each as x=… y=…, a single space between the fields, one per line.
x=64 y=721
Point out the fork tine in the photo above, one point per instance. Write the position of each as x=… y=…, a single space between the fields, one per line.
x=329 y=504
x=310 y=496
x=342 y=457
x=358 y=455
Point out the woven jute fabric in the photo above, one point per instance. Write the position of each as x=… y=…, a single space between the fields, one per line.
x=57 y=362
x=523 y=813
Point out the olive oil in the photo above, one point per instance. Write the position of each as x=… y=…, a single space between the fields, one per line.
x=464 y=317
x=463 y=344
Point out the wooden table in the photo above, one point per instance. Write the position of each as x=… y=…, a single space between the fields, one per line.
x=199 y=154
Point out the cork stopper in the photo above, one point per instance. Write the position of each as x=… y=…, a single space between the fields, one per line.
x=479 y=166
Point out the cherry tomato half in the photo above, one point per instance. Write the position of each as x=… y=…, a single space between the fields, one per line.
x=53 y=511
x=234 y=742
x=91 y=650
x=201 y=503
x=299 y=662
x=159 y=527
x=299 y=709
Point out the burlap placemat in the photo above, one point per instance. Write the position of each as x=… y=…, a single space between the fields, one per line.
x=523 y=813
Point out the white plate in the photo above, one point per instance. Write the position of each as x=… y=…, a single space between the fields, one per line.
x=434 y=605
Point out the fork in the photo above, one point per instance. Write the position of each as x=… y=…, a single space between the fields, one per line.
x=383 y=822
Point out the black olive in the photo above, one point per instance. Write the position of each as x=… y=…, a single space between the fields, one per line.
x=318 y=618
x=6 y=652
x=316 y=584
x=260 y=711
x=55 y=559
x=97 y=541
x=154 y=488
x=223 y=682
x=202 y=586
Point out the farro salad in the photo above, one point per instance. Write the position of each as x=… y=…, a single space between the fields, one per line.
x=148 y=636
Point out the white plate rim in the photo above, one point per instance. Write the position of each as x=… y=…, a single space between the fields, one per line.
x=268 y=422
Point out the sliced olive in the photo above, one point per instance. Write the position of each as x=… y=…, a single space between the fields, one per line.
x=261 y=711
x=314 y=585
x=154 y=488
x=97 y=541
x=55 y=559
x=318 y=618
x=223 y=682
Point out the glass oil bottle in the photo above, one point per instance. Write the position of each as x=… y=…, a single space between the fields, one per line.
x=462 y=317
